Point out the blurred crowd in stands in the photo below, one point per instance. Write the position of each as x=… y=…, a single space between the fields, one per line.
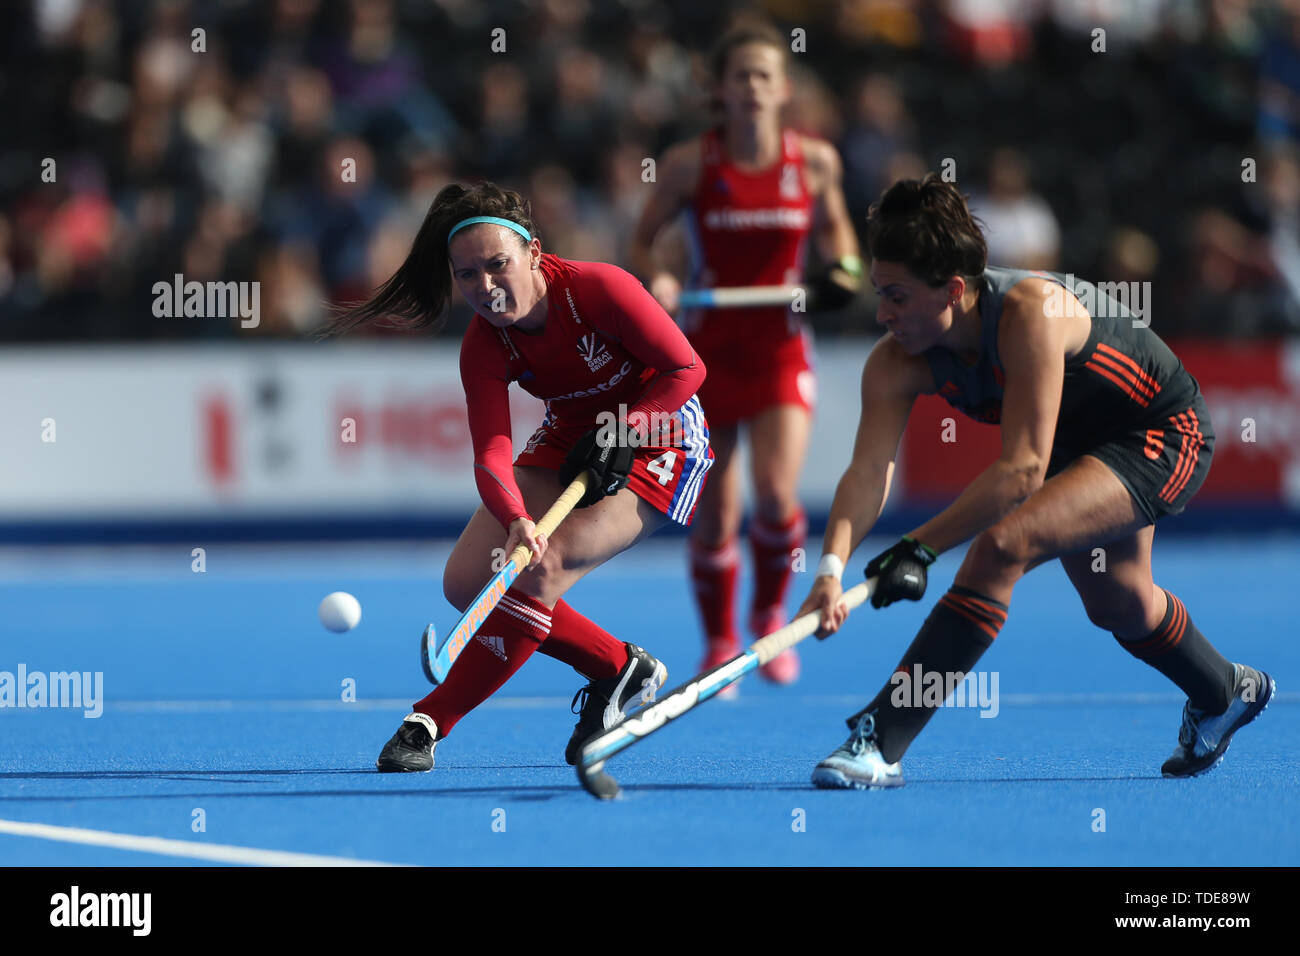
x=214 y=139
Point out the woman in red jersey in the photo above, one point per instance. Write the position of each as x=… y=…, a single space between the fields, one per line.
x=753 y=194
x=586 y=338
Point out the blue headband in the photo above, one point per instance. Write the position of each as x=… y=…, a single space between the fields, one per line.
x=492 y=219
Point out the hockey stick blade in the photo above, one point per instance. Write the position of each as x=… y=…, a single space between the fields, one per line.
x=436 y=661
x=428 y=650
x=598 y=783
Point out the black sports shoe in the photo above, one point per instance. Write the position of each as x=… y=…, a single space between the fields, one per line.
x=604 y=702
x=1203 y=738
x=411 y=748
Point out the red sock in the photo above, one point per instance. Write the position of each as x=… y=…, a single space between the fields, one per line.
x=583 y=644
x=772 y=545
x=713 y=572
x=505 y=640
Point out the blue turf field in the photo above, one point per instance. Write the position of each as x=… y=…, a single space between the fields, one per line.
x=224 y=694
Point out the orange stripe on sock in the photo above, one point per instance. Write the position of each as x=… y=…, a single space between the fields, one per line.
x=1169 y=636
x=1166 y=637
x=975 y=618
x=1155 y=645
x=994 y=612
x=1179 y=624
x=1148 y=649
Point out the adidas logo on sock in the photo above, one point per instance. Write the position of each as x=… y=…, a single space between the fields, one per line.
x=496 y=645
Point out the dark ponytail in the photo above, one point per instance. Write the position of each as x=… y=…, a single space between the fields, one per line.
x=418 y=293
x=926 y=225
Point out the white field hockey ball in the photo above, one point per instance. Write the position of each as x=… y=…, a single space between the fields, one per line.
x=340 y=612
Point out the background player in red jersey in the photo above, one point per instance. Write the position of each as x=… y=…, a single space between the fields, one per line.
x=591 y=342
x=753 y=193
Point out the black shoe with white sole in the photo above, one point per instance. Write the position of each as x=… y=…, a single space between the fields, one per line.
x=605 y=702
x=410 y=750
x=1203 y=738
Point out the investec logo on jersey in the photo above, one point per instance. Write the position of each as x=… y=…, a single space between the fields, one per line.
x=593 y=351
x=602 y=387
x=739 y=220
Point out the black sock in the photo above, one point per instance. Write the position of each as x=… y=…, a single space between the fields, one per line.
x=958 y=631
x=1184 y=655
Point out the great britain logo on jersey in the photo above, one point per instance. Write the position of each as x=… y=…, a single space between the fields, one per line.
x=593 y=351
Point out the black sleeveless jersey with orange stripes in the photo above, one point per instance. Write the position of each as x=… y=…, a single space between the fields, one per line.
x=1124 y=377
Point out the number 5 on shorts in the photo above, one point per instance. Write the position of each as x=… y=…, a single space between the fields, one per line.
x=662 y=467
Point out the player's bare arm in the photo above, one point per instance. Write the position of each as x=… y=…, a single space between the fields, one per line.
x=832 y=226
x=891 y=380
x=676 y=175
x=1033 y=347
x=836 y=241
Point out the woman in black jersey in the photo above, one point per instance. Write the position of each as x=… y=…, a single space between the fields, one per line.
x=1103 y=433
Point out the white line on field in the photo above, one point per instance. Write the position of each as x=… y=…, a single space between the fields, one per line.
x=325 y=704
x=214 y=852
x=543 y=703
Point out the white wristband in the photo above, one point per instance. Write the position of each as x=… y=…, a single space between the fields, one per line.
x=830 y=566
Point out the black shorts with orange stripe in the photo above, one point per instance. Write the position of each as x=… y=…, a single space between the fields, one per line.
x=1162 y=461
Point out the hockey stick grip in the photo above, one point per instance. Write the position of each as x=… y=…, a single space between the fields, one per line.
x=567 y=501
x=787 y=637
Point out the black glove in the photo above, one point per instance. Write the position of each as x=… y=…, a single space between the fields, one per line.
x=836 y=286
x=607 y=466
x=900 y=572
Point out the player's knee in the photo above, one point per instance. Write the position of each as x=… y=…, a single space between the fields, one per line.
x=773 y=502
x=715 y=526
x=455 y=593
x=458 y=589
x=1002 y=547
x=544 y=580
